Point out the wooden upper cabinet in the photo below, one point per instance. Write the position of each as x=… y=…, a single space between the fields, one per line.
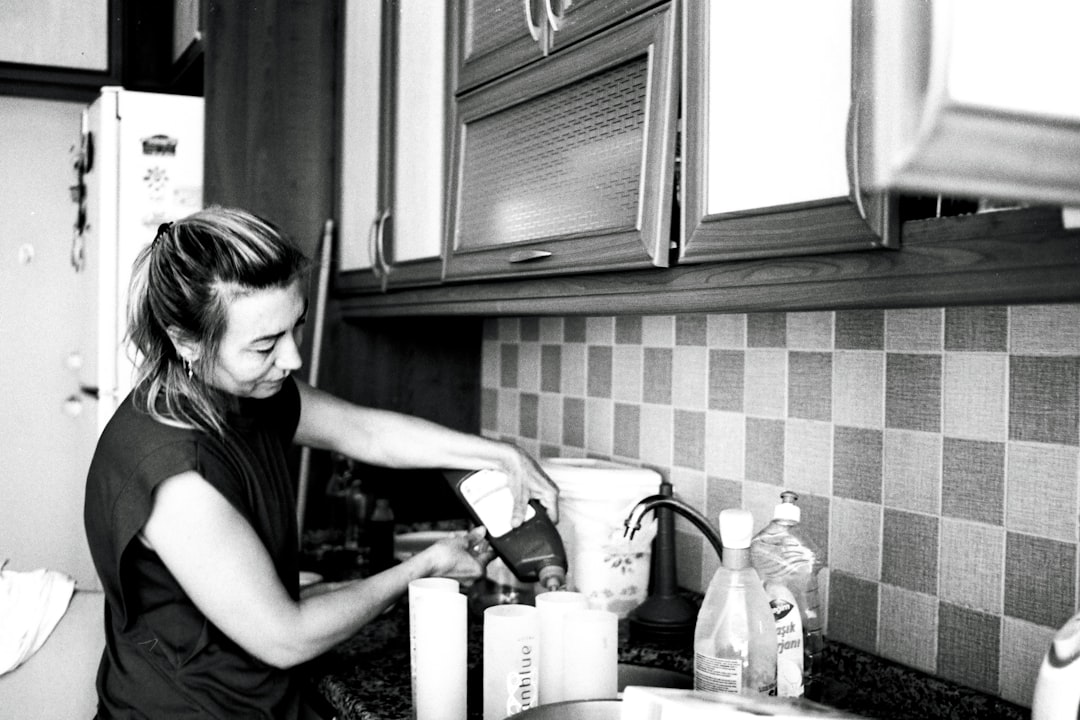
x=393 y=145
x=766 y=108
x=567 y=165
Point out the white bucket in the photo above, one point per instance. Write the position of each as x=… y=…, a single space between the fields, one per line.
x=595 y=496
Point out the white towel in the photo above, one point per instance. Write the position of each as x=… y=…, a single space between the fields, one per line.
x=31 y=605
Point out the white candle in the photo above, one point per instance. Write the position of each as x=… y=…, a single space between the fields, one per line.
x=438 y=647
x=591 y=655
x=511 y=660
x=551 y=608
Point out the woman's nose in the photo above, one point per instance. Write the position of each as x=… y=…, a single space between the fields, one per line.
x=289 y=358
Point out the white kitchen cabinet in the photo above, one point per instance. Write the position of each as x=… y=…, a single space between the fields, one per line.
x=765 y=108
x=969 y=98
x=567 y=165
x=498 y=36
x=391 y=200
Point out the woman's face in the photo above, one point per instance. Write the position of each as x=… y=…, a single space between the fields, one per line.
x=261 y=345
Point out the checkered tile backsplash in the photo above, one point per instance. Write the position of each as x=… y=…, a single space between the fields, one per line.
x=935 y=453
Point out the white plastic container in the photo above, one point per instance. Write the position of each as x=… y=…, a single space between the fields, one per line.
x=595 y=496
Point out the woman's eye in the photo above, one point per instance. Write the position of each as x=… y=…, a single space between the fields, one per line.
x=265 y=351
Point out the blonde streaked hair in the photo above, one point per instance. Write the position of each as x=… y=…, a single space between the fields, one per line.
x=183 y=282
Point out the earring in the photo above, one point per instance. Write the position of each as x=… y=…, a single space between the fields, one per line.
x=188 y=368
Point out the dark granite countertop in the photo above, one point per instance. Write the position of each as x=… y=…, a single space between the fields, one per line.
x=368 y=678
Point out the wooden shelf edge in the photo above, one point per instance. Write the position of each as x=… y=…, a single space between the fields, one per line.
x=1007 y=257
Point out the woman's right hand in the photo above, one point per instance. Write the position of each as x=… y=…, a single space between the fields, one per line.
x=463 y=557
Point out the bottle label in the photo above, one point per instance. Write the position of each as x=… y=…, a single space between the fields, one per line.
x=716 y=674
x=789 y=641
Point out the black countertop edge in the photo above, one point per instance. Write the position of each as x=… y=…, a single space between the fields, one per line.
x=368 y=677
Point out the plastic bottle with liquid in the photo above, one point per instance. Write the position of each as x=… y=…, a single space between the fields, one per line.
x=534 y=549
x=789 y=563
x=735 y=635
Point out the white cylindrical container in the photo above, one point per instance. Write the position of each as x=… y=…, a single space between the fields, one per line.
x=591 y=660
x=511 y=660
x=438 y=648
x=552 y=607
x=595 y=496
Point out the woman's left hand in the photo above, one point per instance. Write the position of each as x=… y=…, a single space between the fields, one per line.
x=461 y=557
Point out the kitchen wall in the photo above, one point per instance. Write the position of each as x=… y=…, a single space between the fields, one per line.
x=935 y=453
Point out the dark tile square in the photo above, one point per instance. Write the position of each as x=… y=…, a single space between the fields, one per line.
x=1044 y=399
x=691 y=329
x=853 y=611
x=909 y=551
x=657 y=364
x=528 y=415
x=860 y=330
x=530 y=329
x=969 y=643
x=1040 y=576
x=490 y=329
x=489 y=409
x=628 y=330
x=574 y=329
x=913 y=392
x=574 y=422
x=508 y=365
x=810 y=385
x=977 y=328
x=689 y=440
x=599 y=371
x=973 y=480
x=857 y=462
x=726 y=379
x=551 y=368
x=721 y=494
x=765 y=450
x=814 y=522
x=627 y=432
x=766 y=330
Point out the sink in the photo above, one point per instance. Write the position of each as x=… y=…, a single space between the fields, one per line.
x=609 y=709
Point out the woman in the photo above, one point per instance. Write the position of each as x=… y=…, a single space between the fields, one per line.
x=190 y=509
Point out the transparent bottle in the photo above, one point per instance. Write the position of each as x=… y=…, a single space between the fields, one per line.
x=789 y=564
x=735 y=635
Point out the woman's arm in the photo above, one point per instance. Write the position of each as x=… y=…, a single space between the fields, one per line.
x=239 y=591
x=389 y=439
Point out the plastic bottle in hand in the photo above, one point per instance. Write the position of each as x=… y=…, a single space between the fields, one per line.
x=735 y=635
x=789 y=563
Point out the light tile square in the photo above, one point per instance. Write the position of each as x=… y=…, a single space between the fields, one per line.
x=982 y=329
x=810 y=330
x=726 y=331
x=1044 y=329
x=1032 y=593
x=551 y=416
x=599 y=426
x=1042 y=490
x=909 y=551
x=658 y=330
x=766 y=330
x=529 y=366
x=508 y=412
x=857 y=463
x=627 y=432
x=725 y=445
x=551 y=329
x=600 y=330
x=1026 y=645
x=859 y=389
x=766 y=381
x=810 y=385
x=626 y=373
x=690 y=383
x=727 y=378
x=490 y=370
x=658 y=378
x=913 y=392
x=689 y=486
x=972 y=565
x=969 y=643
x=572 y=367
x=973 y=480
x=808 y=456
x=855 y=539
x=976 y=396
x=907 y=628
x=914 y=330
x=765 y=450
x=657 y=430
x=912 y=471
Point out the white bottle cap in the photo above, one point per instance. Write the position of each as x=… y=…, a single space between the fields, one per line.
x=786 y=509
x=736 y=528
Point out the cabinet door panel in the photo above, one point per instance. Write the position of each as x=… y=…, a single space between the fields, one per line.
x=766 y=112
x=497 y=36
x=570 y=22
x=568 y=166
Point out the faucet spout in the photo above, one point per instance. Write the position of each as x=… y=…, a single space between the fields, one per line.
x=633 y=520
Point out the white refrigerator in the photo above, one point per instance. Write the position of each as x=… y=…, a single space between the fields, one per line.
x=138 y=160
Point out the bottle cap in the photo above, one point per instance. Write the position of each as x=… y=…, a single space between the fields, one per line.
x=786 y=509
x=736 y=528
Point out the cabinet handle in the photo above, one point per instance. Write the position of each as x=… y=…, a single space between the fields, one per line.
x=534 y=29
x=528 y=256
x=379 y=266
x=554 y=19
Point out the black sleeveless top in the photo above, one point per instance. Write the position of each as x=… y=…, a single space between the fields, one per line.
x=163 y=658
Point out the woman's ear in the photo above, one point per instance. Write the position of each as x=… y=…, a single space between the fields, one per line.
x=186 y=348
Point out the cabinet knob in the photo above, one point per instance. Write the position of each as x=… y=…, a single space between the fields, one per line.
x=528 y=255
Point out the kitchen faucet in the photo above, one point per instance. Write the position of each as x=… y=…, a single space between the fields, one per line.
x=633 y=520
